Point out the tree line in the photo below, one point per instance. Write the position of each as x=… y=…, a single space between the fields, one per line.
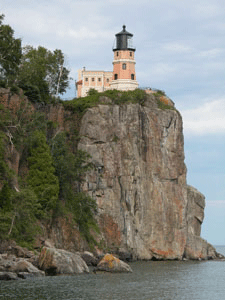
x=41 y=73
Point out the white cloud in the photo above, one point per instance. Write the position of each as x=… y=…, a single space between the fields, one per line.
x=207 y=10
x=211 y=53
x=207 y=118
x=216 y=203
x=84 y=33
x=177 y=47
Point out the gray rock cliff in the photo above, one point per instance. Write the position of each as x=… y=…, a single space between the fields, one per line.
x=139 y=181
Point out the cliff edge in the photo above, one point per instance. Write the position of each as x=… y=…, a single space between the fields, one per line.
x=139 y=181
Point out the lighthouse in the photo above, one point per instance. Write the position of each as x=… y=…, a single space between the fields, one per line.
x=124 y=76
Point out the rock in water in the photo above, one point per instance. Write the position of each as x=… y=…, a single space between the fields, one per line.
x=89 y=258
x=110 y=263
x=24 y=266
x=57 y=261
x=8 y=276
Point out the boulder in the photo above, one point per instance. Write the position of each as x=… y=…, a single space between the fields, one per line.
x=110 y=263
x=25 y=266
x=8 y=276
x=25 y=275
x=7 y=262
x=89 y=258
x=11 y=264
x=57 y=261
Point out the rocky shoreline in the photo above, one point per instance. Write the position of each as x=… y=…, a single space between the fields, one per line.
x=19 y=263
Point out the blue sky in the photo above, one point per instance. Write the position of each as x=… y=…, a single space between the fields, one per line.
x=180 y=49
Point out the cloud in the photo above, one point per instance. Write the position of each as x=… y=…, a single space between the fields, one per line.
x=216 y=203
x=177 y=47
x=211 y=53
x=207 y=10
x=208 y=118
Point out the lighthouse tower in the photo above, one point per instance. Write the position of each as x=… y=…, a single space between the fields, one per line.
x=124 y=76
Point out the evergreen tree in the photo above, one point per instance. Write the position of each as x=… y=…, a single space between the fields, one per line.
x=5 y=201
x=41 y=177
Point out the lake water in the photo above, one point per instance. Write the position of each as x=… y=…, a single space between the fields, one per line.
x=158 y=280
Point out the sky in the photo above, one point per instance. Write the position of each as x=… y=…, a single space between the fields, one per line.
x=180 y=48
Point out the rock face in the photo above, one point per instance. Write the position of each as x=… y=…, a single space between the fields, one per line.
x=139 y=181
x=196 y=247
x=56 y=261
x=110 y=263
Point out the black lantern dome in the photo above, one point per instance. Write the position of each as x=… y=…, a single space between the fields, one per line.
x=124 y=40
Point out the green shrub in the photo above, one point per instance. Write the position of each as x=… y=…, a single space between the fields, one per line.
x=19 y=222
x=3 y=84
x=163 y=105
x=14 y=89
x=32 y=92
x=84 y=208
x=94 y=98
x=115 y=139
x=160 y=93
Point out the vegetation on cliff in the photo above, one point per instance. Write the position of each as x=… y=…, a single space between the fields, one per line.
x=50 y=173
x=41 y=73
x=94 y=98
x=80 y=105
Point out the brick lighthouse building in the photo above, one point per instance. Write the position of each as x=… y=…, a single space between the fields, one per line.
x=123 y=76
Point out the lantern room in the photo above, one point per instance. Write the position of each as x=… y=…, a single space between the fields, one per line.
x=124 y=40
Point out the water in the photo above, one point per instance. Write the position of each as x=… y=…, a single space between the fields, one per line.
x=169 y=280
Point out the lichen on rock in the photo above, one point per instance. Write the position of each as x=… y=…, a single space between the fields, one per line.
x=110 y=263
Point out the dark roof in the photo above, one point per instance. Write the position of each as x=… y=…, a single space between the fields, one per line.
x=124 y=32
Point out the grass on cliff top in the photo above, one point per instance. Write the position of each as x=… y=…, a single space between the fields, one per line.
x=80 y=105
x=94 y=98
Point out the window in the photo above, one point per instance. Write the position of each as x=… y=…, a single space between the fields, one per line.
x=107 y=80
x=115 y=76
x=124 y=66
x=130 y=53
x=132 y=76
x=117 y=53
x=99 y=79
x=86 y=79
x=92 y=79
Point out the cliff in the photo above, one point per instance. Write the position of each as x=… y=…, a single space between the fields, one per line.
x=139 y=181
x=145 y=206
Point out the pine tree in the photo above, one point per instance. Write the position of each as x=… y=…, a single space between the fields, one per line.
x=41 y=176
